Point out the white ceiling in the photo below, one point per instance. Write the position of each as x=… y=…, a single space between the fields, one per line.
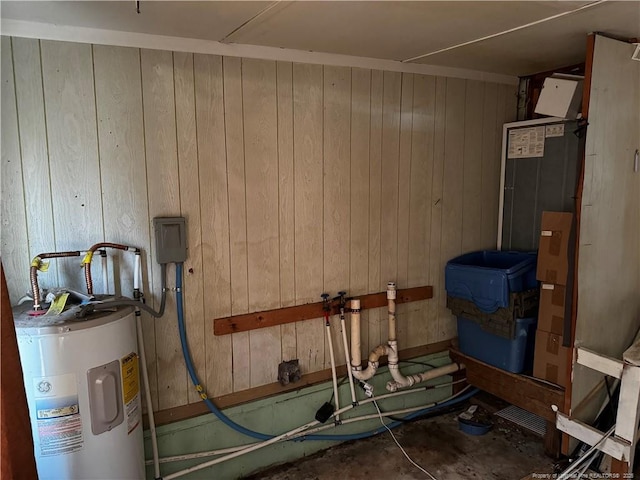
x=394 y=30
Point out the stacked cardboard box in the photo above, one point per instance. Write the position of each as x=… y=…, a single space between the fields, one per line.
x=550 y=359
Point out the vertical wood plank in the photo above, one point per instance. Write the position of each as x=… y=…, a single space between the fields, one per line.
x=436 y=273
x=375 y=198
x=14 y=239
x=214 y=217
x=392 y=91
x=261 y=155
x=190 y=209
x=284 y=82
x=452 y=193
x=164 y=200
x=359 y=187
x=493 y=168
x=307 y=118
x=404 y=178
x=234 y=133
x=122 y=167
x=472 y=168
x=406 y=313
x=73 y=158
x=337 y=199
x=34 y=150
x=422 y=141
x=490 y=154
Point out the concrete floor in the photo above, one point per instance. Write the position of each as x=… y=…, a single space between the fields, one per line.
x=507 y=452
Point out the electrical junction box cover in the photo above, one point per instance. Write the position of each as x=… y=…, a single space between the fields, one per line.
x=171 y=239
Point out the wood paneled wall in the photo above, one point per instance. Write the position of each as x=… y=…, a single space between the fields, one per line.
x=295 y=179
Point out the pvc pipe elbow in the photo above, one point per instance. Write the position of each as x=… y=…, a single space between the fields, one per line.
x=365 y=374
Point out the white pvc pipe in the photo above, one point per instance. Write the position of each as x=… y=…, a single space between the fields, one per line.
x=356 y=356
x=391 y=301
x=333 y=368
x=212 y=453
x=369 y=417
x=400 y=381
x=372 y=367
x=105 y=276
x=136 y=272
x=343 y=326
x=147 y=395
x=284 y=436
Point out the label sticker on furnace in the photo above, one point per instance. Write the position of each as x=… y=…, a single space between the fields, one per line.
x=58 y=414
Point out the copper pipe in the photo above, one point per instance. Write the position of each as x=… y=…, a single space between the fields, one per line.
x=33 y=274
x=90 y=252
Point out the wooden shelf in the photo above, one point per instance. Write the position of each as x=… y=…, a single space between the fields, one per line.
x=279 y=316
x=524 y=392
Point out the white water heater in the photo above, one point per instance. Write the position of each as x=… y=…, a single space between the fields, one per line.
x=82 y=382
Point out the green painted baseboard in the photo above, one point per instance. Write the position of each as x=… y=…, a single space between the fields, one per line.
x=276 y=415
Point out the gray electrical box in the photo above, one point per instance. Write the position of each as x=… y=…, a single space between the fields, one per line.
x=171 y=239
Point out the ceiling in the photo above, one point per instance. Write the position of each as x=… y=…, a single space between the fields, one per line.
x=522 y=38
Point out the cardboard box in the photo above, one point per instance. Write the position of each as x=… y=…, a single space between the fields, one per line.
x=550 y=358
x=553 y=248
x=561 y=96
x=551 y=309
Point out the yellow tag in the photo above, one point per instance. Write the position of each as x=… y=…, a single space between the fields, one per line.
x=130 y=382
x=87 y=258
x=39 y=264
x=57 y=306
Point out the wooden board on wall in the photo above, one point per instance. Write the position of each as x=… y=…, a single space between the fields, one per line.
x=164 y=201
x=14 y=242
x=234 y=135
x=68 y=81
x=307 y=120
x=260 y=111
x=284 y=82
x=29 y=101
x=436 y=272
x=247 y=150
x=420 y=200
x=190 y=209
x=375 y=198
x=122 y=170
x=214 y=216
x=337 y=205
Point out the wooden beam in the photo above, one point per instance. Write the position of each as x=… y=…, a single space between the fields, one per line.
x=598 y=362
x=586 y=96
x=613 y=446
x=280 y=316
x=524 y=392
x=191 y=410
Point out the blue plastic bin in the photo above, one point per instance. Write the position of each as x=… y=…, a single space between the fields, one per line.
x=513 y=356
x=487 y=278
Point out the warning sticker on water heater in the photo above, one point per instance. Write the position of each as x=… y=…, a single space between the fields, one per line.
x=58 y=414
x=131 y=390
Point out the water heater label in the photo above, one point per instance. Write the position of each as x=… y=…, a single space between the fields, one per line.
x=58 y=414
x=131 y=390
